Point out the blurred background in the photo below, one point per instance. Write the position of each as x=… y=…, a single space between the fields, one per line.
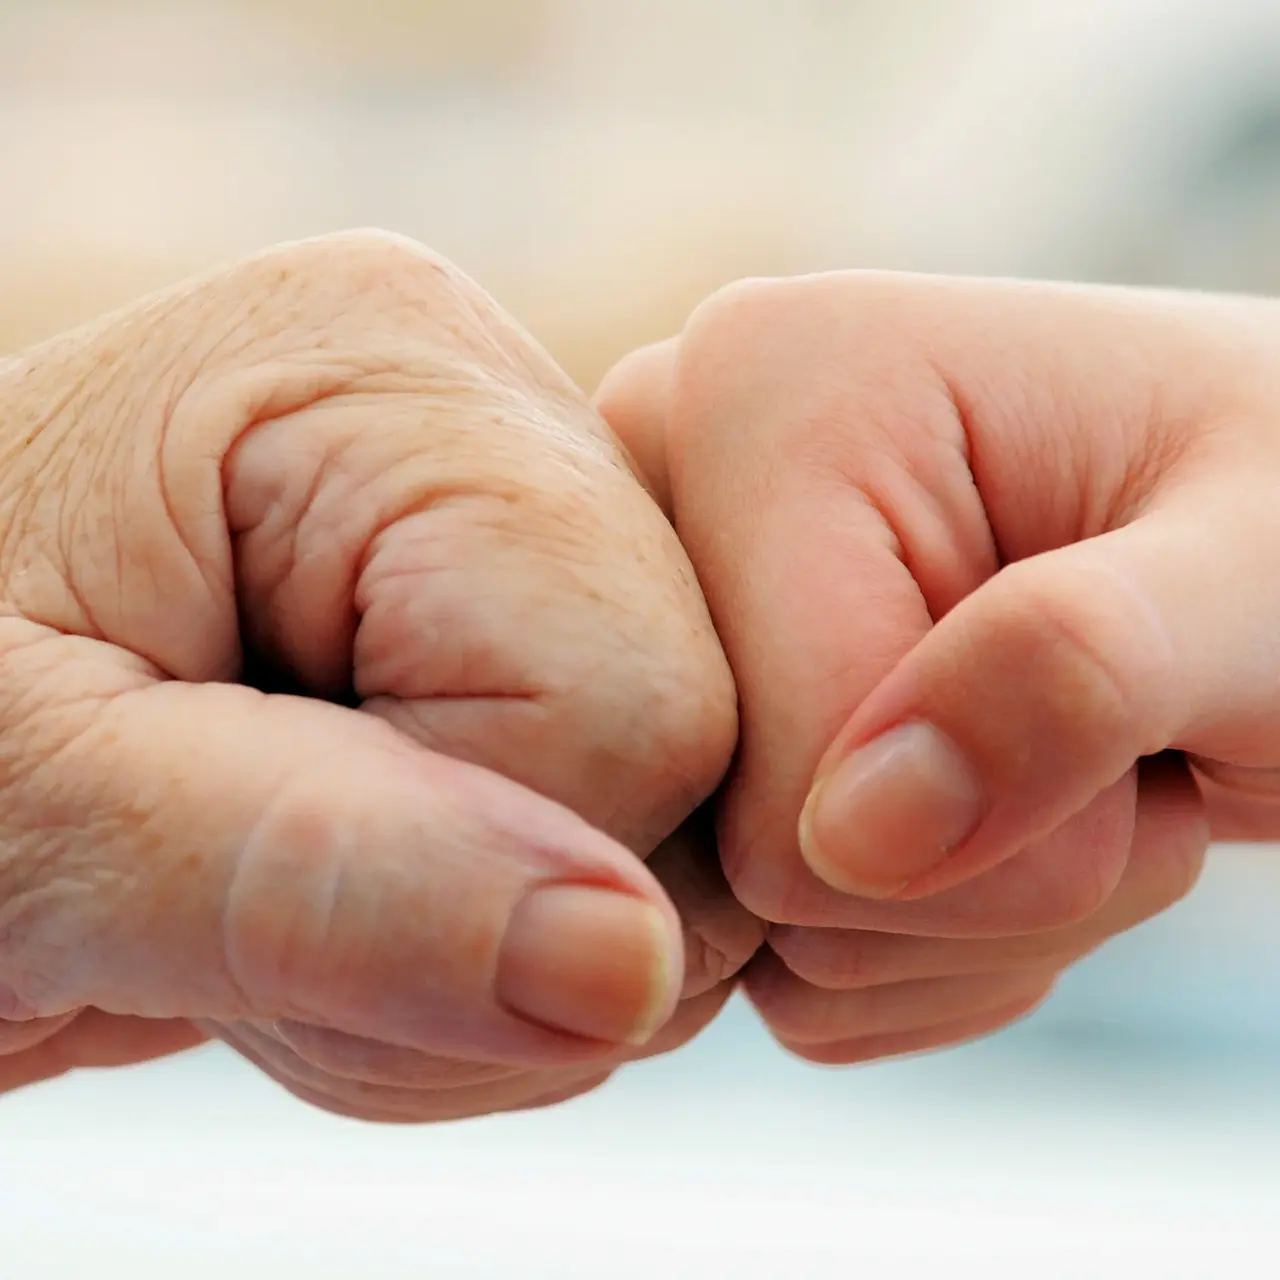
x=600 y=165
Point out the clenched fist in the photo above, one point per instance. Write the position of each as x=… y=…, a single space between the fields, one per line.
x=345 y=670
x=995 y=565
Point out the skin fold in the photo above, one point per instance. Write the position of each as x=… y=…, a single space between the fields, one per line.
x=994 y=565
x=365 y=698
x=348 y=676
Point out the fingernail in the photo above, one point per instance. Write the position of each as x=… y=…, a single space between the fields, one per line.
x=589 y=961
x=890 y=812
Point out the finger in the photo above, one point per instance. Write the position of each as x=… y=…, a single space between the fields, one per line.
x=720 y=934
x=1088 y=657
x=370 y=1113
x=943 y=1035
x=1116 y=497
x=385 y=1103
x=1169 y=844
x=800 y=1014
x=97 y=1039
x=15 y=1037
x=379 y=1101
x=805 y=581
x=385 y=489
x=271 y=857
x=410 y=1114
x=635 y=399
x=483 y=569
x=387 y=1099
x=854 y=456
x=333 y=1053
x=1062 y=879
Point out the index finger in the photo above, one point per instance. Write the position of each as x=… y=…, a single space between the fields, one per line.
x=780 y=465
x=810 y=592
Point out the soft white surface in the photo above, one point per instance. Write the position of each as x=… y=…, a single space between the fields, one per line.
x=200 y=1171
x=1133 y=1128
x=1124 y=1129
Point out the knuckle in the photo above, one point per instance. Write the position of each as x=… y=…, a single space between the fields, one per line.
x=362 y=262
x=709 y=960
x=755 y=886
x=338 y=310
x=720 y=934
x=630 y=721
x=692 y=715
x=736 y=308
x=1080 y=671
x=675 y=697
x=795 y=372
x=631 y=399
x=726 y=346
x=829 y=958
x=770 y=882
x=765 y=323
x=385 y=306
x=615 y=692
x=1081 y=644
x=373 y=249
x=731 y=336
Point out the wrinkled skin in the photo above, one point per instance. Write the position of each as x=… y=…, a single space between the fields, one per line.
x=318 y=576
x=1027 y=533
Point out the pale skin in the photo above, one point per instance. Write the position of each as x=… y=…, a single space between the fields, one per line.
x=339 y=469
x=995 y=566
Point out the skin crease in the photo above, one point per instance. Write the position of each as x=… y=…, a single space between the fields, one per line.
x=1038 y=518
x=926 y=435
x=337 y=472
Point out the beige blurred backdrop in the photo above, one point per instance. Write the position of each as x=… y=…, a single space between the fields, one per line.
x=601 y=165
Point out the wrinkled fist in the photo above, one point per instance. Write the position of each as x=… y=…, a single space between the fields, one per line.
x=345 y=668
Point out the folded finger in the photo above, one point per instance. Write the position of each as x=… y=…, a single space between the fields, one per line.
x=800 y=1013
x=941 y=1035
x=1169 y=843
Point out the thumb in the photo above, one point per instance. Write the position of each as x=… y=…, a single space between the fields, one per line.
x=337 y=466
x=180 y=850
x=1042 y=688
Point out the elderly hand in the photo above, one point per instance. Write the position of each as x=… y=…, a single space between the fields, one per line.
x=995 y=566
x=345 y=669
